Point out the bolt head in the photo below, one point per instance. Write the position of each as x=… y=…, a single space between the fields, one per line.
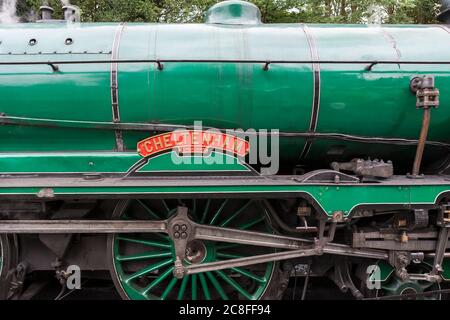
x=178 y=273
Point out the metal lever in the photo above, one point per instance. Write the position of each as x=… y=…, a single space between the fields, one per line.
x=427 y=97
x=444 y=224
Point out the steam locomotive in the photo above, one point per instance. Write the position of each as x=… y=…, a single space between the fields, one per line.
x=103 y=165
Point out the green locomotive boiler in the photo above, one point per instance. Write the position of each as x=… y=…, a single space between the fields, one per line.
x=103 y=165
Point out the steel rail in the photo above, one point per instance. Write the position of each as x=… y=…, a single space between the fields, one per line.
x=210 y=233
x=296 y=247
x=285 y=255
x=343 y=250
x=79 y=226
x=246 y=261
x=201 y=232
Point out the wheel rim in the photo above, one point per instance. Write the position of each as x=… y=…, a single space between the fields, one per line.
x=143 y=263
x=396 y=287
x=1 y=257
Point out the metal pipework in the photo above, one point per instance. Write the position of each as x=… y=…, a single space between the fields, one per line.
x=46 y=12
x=421 y=144
x=71 y=13
x=427 y=98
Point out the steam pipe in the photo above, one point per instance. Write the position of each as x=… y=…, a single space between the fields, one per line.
x=46 y=12
x=71 y=13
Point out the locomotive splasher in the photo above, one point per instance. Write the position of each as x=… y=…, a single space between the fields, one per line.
x=76 y=100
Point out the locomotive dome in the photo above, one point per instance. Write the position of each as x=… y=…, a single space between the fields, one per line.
x=234 y=12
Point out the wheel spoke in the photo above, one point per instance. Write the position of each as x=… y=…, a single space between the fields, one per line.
x=148 y=269
x=227 y=246
x=218 y=212
x=151 y=243
x=194 y=205
x=166 y=207
x=234 y=284
x=250 y=223
x=149 y=211
x=158 y=280
x=425 y=284
x=153 y=215
x=229 y=255
x=169 y=288
x=143 y=256
x=204 y=286
x=194 y=210
x=236 y=214
x=250 y=275
x=184 y=283
x=194 y=287
x=217 y=286
x=205 y=211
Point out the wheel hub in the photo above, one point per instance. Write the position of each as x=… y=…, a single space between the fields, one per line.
x=196 y=252
x=410 y=289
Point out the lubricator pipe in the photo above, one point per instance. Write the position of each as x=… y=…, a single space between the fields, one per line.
x=422 y=142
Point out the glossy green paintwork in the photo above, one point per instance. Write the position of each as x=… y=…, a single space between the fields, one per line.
x=109 y=162
x=76 y=93
x=330 y=198
x=379 y=103
x=353 y=101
